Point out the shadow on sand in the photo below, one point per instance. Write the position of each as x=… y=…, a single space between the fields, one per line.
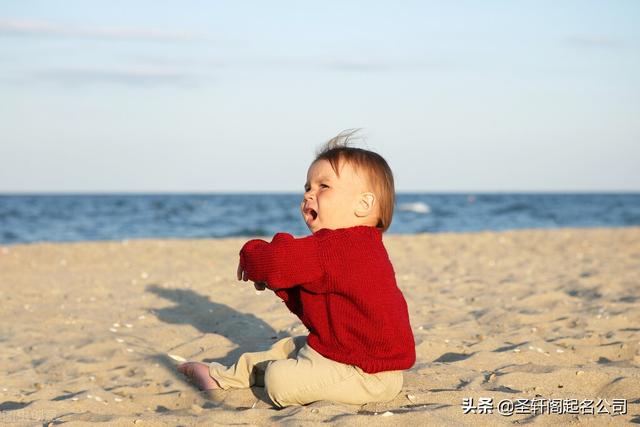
x=247 y=331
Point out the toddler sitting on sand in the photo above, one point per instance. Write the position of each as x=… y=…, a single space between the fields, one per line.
x=340 y=282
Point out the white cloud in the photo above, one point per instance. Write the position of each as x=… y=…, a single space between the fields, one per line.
x=371 y=64
x=362 y=64
x=48 y=29
x=131 y=76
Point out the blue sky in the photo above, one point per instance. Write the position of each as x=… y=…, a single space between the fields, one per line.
x=237 y=95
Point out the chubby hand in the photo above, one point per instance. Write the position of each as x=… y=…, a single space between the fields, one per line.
x=242 y=275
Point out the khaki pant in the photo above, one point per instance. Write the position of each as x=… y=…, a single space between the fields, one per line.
x=295 y=374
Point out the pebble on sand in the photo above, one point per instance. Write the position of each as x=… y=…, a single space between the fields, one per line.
x=177 y=358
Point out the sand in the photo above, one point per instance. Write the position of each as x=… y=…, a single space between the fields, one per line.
x=85 y=329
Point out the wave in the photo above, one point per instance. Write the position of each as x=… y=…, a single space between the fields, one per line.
x=34 y=218
x=417 y=207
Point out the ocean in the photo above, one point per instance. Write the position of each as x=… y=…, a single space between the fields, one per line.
x=79 y=217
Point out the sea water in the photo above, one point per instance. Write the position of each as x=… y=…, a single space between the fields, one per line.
x=77 y=217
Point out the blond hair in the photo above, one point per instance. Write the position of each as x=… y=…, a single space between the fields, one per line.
x=374 y=166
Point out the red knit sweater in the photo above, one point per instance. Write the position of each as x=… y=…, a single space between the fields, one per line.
x=342 y=286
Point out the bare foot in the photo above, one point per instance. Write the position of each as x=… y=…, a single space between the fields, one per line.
x=198 y=373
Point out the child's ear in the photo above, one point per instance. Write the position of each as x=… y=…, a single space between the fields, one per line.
x=365 y=205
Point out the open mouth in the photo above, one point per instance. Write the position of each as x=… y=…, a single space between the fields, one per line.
x=312 y=215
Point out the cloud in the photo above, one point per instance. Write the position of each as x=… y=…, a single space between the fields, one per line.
x=374 y=65
x=357 y=65
x=171 y=60
x=365 y=65
x=594 y=41
x=157 y=72
x=48 y=29
x=130 y=76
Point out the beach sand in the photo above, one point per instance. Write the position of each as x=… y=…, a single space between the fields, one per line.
x=85 y=329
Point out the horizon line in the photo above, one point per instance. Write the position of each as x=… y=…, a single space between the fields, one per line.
x=186 y=193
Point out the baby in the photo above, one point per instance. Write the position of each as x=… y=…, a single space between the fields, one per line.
x=340 y=282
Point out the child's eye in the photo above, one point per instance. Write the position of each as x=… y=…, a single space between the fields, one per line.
x=324 y=185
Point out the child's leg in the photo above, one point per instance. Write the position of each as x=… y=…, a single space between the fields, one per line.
x=250 y=367
x=312 y=377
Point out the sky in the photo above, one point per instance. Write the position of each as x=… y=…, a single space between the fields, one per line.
x=237 y=96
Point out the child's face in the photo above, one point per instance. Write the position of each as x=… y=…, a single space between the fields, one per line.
x=330 y=202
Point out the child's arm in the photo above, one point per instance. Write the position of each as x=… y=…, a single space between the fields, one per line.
x=283 y=263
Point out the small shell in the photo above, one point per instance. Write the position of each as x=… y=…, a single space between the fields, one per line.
x=387 y=414
x=177 y=358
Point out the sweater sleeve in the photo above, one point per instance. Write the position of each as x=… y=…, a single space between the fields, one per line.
x=283 y=263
